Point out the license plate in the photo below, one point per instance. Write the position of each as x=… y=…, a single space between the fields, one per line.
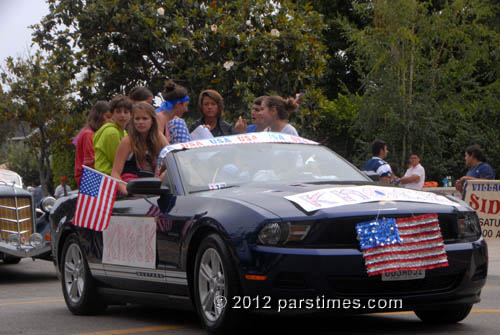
x=403 y=275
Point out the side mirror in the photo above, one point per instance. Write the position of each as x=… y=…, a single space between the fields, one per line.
x=372 y=175
x=146 y=186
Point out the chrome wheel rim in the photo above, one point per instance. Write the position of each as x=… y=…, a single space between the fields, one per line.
x=211 y=284
x=74 y=280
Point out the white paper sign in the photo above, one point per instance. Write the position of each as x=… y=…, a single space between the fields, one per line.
x=201 y=133
x=341 y=196
x=130 y=241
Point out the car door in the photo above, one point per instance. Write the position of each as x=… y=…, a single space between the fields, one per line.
x=130 y=249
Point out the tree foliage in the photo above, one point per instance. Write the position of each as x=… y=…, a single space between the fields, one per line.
x=41 y=94
x=242 y=49
x=421 y=71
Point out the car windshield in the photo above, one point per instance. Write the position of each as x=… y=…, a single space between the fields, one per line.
x=224 y=166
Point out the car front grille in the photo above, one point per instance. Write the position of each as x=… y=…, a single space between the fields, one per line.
x=374 y=286
x=10 y=215
x=341 y=232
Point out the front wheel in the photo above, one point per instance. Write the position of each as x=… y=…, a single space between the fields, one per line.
x=448 y=315
x=78 y=285
x=7 y=259
x=215 y=282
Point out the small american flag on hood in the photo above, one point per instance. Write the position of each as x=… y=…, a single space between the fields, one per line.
x=412 y=243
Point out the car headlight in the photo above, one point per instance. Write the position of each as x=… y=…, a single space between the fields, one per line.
x=36 y=240
x=276 y=233
x=469 y=228
x=47 y=204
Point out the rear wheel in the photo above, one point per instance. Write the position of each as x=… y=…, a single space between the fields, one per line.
x=215 y=282
x=78 y=285
x=448 y=315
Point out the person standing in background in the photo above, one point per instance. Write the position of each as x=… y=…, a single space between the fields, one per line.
x=479 y=169
x=415 y=175
x=62 y=189
x=377 y=163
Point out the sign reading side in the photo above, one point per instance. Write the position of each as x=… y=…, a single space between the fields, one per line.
x=130 y=241
x=484 y=197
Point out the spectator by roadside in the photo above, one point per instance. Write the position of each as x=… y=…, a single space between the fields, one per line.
x=377 y=163
x=62 y=189
x=479 y=169
x=415 y=175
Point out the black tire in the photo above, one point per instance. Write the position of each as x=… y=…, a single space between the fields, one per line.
x=452 y=314
x=10 y=259
x=78 y=285
x=216 y=320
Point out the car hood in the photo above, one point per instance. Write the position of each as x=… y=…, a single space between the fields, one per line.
x=272 y=198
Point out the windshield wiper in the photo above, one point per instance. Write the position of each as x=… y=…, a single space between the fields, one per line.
x=215 y=189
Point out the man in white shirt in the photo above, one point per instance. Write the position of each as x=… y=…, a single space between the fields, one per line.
x=415 y=175
x=62 y=189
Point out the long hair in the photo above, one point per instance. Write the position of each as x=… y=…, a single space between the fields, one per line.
x=215 y=96
x=95 y=118
x=285 y=107
x=152 y=143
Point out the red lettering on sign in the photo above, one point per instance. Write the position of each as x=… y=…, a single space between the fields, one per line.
x=473 y=202
x=494 y=204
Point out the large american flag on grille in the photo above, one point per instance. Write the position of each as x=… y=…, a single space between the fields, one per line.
x=412 y=243
x=96 y=197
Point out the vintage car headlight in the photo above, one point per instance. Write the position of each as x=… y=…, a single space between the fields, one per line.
x=47 y=204
x=275 y=233
x=469 y=228
x=36 y=240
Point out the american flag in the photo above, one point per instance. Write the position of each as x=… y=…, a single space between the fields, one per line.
x=95 y=200
x=413 y=243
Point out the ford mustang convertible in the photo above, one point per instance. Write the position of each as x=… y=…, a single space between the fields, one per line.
x=272 y=222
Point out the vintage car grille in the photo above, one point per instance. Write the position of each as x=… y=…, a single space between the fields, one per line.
x=8 y=217
x=341 y=232
x=374 y=286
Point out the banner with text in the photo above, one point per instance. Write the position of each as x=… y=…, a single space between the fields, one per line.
x=484 y=197
x=130 y=241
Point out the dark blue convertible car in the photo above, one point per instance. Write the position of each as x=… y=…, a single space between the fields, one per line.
x=270 y=221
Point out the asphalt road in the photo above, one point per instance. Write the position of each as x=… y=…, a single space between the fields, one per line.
x=31 y=302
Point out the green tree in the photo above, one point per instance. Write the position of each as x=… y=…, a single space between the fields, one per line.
x=421 y=71
x=41 y=94
x=241 y=48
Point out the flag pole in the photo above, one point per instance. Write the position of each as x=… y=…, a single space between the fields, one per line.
x=105 y=175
